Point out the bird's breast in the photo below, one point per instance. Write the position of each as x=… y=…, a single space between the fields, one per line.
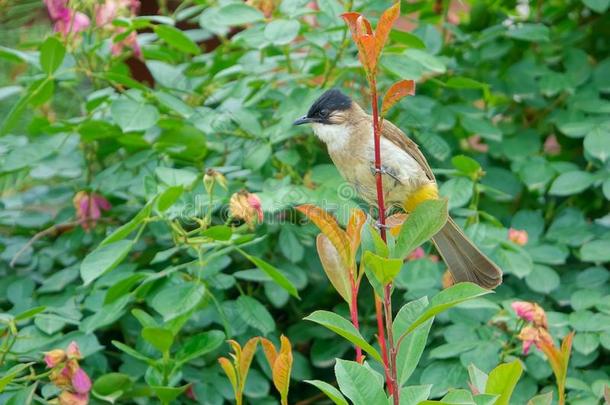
x=355 y=161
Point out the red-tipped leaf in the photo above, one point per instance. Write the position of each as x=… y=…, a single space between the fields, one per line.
x=398 y=90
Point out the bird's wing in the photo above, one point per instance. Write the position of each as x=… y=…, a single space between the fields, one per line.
x=398 y=138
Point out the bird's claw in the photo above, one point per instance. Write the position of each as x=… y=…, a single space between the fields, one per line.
x=384 y=170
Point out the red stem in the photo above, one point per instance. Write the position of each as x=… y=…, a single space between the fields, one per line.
x=354 y=315
x=391 y=363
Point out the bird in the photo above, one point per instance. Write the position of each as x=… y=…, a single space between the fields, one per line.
x=347 y=130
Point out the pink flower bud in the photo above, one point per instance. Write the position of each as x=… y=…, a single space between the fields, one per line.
x=418 y=253
x=81 y=381
x=517 y=236
x=530 y=312
x=54 y=357
x=551 y=146
x=73 y=351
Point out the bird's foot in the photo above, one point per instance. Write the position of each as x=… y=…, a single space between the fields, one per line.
x=384 y=170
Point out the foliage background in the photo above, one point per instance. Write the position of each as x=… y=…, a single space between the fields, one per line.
x=513 y=73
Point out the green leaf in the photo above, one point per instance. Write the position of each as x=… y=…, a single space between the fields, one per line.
x=529 y=32
x=570 y=183
x=459 y=82
x=218 y=232
x=168 y=394
x=127 y=228
x=272 y=272
x=478 y=379
x=112 y=386
x=104 y=259
x=24 y=396
x=423 y=223
x=255 y=314
x=446 y=299
x=176 y=177
x=407 y=39
x=123 y=287
x=542 y=399
x=169 y=197
x=237 y=14
x=359 y=383
x=52 y=54
x=27 y=314
x=282 y=32
x=384 y=269
x=599 y=6
x=174 y=300
x=133 y=115
x=466 y=165
x=343 y=328
x=161 y=339
x=482 y=127
x=178 y=39
x=502 y=381
x=11 y=374
x=132 y=352
x=32 y=95
x=330 y=391
x=198 y=345
x=595 y=251
x=597 y=143
x=412 y=345
x=414 y=394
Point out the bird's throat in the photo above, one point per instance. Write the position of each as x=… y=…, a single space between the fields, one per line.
x=335 y=136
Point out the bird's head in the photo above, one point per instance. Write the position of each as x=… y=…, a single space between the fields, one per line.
x=331 y=108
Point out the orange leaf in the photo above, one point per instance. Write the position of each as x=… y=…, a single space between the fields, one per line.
x=329 y=227
x=385 y=26
x=270 y=352
x=229 y=370
x=354 y=228
x=397 y=91
x=282 y=368
x=334 y=267
x=247 y=354
x=368 y=54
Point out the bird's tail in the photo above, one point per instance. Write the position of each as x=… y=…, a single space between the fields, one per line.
x=464 y=260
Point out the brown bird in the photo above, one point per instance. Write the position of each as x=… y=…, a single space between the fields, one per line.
x=347 y=131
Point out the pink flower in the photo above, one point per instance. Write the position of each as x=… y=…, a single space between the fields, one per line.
x=418 y=253
x=89 y=208
x=474 y=142
x=81 y=382
x=73 y=398
x=246 y=206
x=255 y=203
x=106 y=12
x=551 y=146
x=517 y=236
x=534 y=335
x=54 y=357
x=73 y=351
x=531 y=312
x=71 y=22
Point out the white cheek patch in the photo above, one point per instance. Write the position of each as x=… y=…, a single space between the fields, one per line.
x=334 y=136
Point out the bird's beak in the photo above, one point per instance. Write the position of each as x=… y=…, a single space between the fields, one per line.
x=303 y=120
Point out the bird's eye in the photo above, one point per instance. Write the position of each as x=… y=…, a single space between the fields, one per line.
x=324 y=112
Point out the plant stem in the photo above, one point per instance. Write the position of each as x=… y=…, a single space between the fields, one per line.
x=378 y=176
x=353 y=309
x=391 y=363
x=387 y=305
x=381 y=336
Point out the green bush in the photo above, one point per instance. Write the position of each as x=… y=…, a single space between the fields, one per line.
x=126 y=227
